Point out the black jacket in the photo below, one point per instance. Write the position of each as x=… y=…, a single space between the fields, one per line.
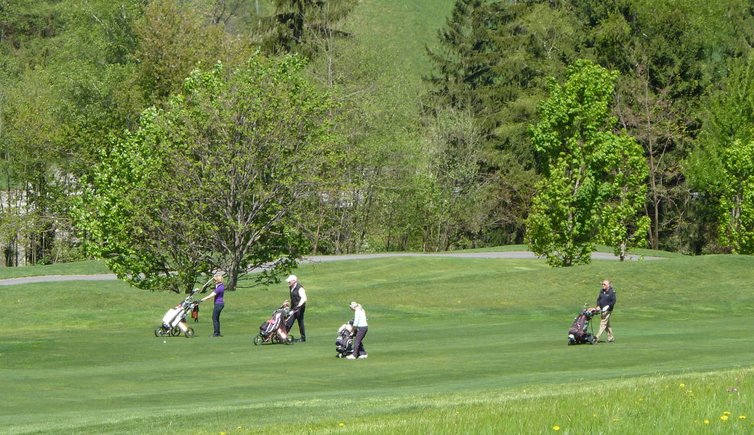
x=295 y=296
x=606 y=297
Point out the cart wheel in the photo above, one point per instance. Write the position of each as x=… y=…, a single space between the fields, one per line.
x=189 y=333
x=174 y=332
x=157 y=332
x=289 y=340
x=257 y=340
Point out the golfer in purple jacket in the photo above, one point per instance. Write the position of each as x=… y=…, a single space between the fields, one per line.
x=219 y=295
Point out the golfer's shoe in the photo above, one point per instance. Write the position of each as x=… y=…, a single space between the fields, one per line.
x=350 y=357
x=363 y=356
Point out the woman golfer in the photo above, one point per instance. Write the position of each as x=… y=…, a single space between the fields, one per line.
x=360 y=323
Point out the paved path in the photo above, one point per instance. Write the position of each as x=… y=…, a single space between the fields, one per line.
x=323 y=259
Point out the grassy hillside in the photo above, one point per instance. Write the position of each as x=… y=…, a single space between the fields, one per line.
x=455 y=345
x=399 y=32
x=389 y=40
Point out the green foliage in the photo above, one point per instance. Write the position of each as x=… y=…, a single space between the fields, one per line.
x=172 y=41
x=492 y=62
x=593 y=179
x=494 y=59
x=737 y=200
x=115 y=203
x=456 y=217
x=74 y=75
x=372 y=198
x=623 y=223
x=727 y=121
x=669 y=55
x=241 y=143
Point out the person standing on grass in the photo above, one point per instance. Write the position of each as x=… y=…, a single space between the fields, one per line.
x=606 y=302
x=298 y=306
x=219 y=295
x=360 y=323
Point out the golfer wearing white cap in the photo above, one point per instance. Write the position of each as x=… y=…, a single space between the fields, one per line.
x=298 y=306
x=360 y=323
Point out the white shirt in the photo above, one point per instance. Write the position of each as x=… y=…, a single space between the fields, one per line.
x=359 y=317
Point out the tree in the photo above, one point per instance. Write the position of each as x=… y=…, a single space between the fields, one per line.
x=455 y=214
x=729 y=120
x=585 y=192
x=669 y=55
x=623 y=224
x=117 y=211
x=244 y=145
x=737 y=201
x=493 y=62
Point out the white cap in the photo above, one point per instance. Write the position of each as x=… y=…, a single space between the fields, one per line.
x=291 y=278
x=354 y=305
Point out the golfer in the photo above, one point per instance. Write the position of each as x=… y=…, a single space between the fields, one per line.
x=360 y=323
x=606 y=302
x=219 y=295
x=298 y=306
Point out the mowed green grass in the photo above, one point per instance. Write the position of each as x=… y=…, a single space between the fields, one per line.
x=456 y=345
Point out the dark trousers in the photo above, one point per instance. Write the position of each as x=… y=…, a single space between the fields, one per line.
x=298 y=315
x=358 y=345
x=216 y=318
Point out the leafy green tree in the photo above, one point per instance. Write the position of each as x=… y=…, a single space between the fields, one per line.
x=212 y=182
x=737 y=201
x=585 y=192
x=455 y=60
x=116 y=210
x=623 y=223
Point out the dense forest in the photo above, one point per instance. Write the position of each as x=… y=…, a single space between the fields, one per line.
x=177 y=137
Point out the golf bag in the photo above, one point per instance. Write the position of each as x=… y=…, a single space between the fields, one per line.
x=273 y=330
x=174 y=321
x=344 y=340
x=195 y=313
x=579 y=333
